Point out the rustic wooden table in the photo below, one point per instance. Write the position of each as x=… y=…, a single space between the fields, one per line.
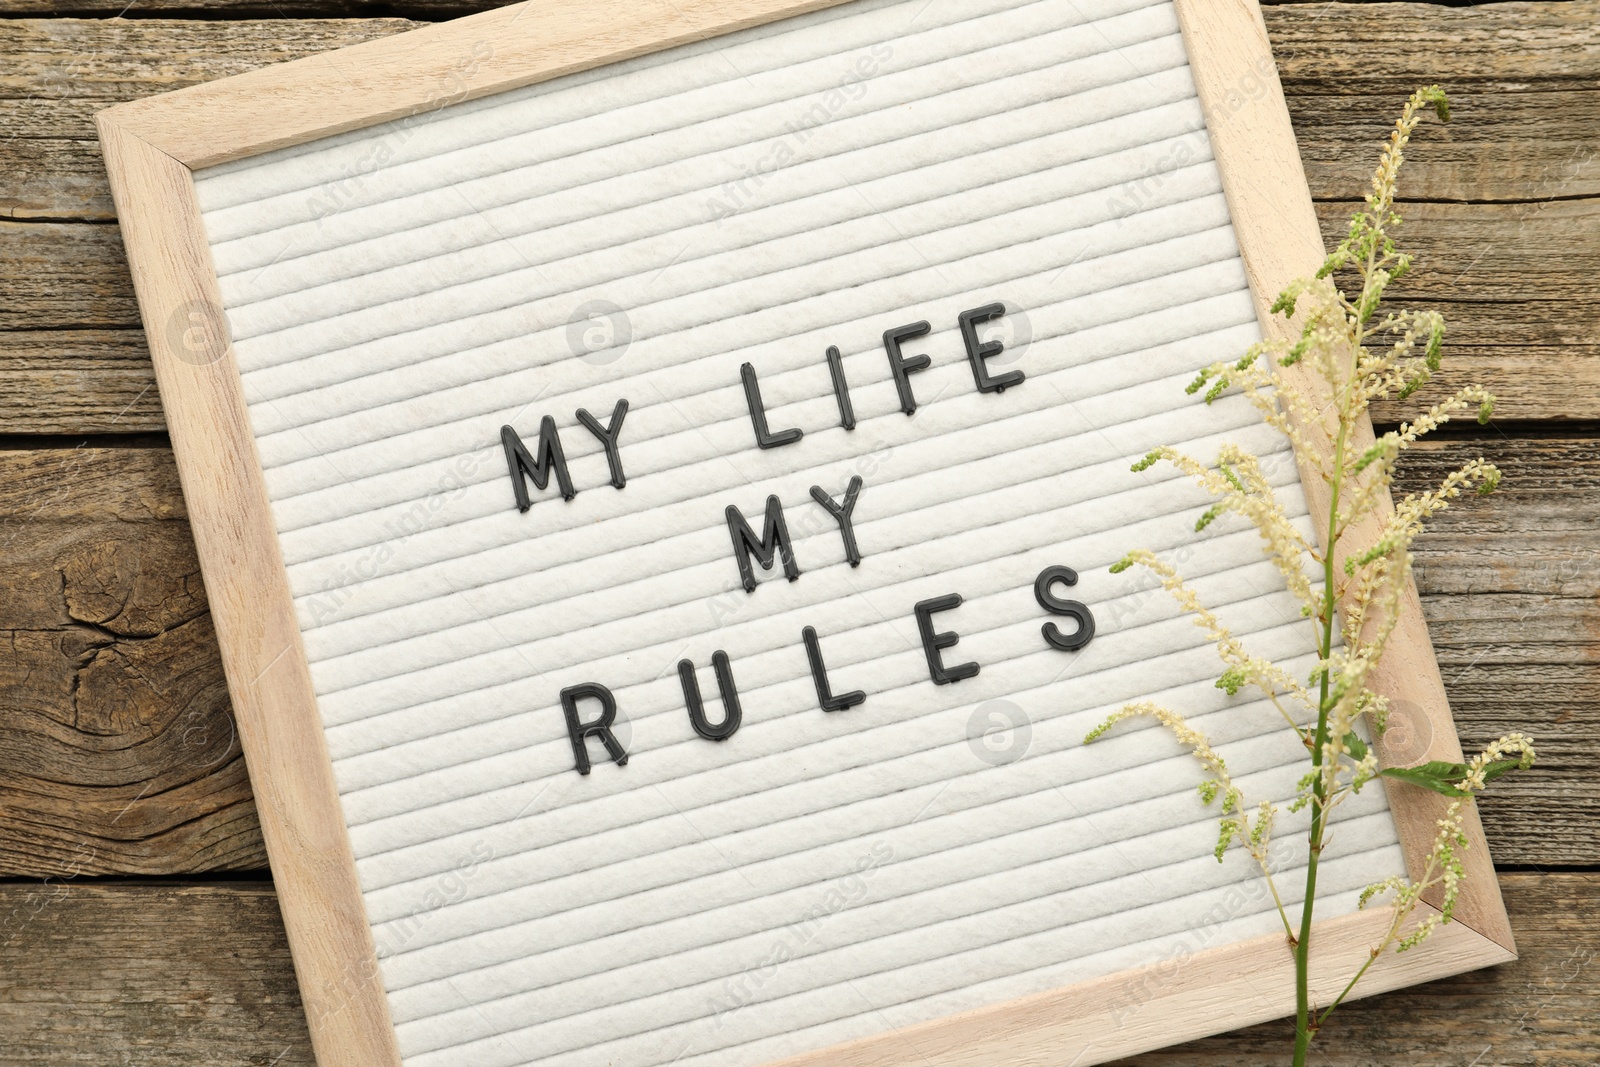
x=136 y=912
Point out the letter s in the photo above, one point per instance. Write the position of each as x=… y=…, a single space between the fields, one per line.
x=1055 y=605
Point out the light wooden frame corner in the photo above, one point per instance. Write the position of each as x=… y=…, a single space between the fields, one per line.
x=153 y=146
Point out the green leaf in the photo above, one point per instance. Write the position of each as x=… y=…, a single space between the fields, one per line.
x=1450 y=772
x=1415 y=776
x=1356 y=746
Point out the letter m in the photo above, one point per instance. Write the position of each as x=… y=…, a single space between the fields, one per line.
x=774 y=542
x=537 y=466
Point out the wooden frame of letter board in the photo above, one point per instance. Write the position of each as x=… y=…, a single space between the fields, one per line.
x=152 y=146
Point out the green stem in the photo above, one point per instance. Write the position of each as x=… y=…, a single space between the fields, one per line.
x=1304 y=1028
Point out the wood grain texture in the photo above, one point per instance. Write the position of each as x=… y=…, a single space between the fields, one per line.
x=174 y=976
x=77 y=381
x=117 y=748
x=1511 y=583
x=1521 y=79
x=1518 y=285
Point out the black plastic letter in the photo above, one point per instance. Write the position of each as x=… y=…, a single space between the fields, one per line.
x=842 y=515
x=758 y=414
x=979 y=351
x=608 y=438
x=774 y=542
x=841 y=389
x=731 y=714
x=1055 y=605
x=932 y=642
x=902 y=366
x=598 y=727
x=819 y=675
x=523 y=465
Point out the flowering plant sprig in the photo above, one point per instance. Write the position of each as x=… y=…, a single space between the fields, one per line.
x=1347 y=355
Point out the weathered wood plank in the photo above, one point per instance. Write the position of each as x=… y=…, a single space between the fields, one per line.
x=116 y=753
x=171 y=976
x=94 y=62
x=77 y=381
x=1522 y=79
x=63 y=276
x=1506 y=42
x=1532 y=141
x=150 y=974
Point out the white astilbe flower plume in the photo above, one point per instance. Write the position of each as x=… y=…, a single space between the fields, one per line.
x=1316 y=388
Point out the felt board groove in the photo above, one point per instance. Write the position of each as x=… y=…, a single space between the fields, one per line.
x=788 y=695
x=619 y=84
x=445 y=537
x=321 y=335
x=683 y=621
x=931 y=850
x=919 y=777
x=684 y=999
x=636 y=876
x=722 y=408
x=330 y=370
x=910 y=768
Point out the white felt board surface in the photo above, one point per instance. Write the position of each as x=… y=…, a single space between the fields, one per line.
x=398 y=294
